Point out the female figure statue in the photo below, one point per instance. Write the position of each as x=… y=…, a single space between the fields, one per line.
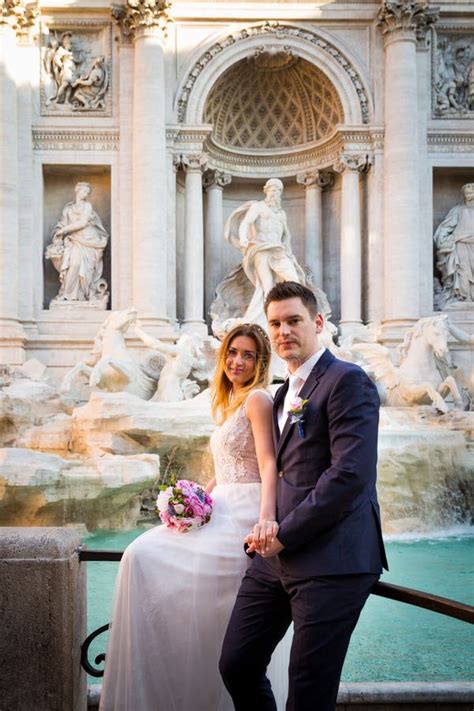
x=77 y=248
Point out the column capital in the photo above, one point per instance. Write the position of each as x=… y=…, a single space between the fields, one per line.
x=193 y=162
x=357 y=163
x=138 y=18
x=216 y=178
x=406 y=19
x=319 y=178
x=18 y=15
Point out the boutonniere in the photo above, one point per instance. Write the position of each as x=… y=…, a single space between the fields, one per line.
x=297 y=413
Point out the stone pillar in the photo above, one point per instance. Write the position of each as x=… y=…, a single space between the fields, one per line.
x=314 y=182
x=351 y=245
x=43 y=609
x=214 y=182
x=15 y=19
x=146 y=24
x=399 y=20
x=194 y=244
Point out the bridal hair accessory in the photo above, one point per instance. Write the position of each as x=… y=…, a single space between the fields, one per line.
x=258 y=329
x=184 y=506
x=297 y=412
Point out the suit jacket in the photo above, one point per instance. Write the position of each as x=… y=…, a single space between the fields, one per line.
x=327 y=505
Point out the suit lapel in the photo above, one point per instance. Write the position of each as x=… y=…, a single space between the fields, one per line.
x=279 y=398
x=306 y=391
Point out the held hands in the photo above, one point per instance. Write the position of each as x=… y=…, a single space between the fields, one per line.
x=262 y=539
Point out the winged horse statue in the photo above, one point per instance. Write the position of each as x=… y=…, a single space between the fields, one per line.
x=422 y=374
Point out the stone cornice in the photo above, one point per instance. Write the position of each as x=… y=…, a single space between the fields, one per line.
x=142 y=17
x=318 y=156
x=18 y=15
x=406 y=19
x=440 y=141
x=75 y=140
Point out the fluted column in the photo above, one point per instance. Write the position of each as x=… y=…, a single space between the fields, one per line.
x=314 y=181
x=194 y=244
x=146 y=24
x=350 y=167
x=15 y=18
x=400 y=20
x=214 y=182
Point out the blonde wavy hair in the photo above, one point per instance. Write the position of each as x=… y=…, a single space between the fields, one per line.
x=224 y=401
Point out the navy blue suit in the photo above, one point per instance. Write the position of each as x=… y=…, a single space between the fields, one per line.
x=329 y=525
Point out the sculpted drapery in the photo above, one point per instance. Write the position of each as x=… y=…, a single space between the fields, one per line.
x=77 y=248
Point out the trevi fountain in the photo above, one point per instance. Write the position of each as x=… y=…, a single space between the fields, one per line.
x=163 y=164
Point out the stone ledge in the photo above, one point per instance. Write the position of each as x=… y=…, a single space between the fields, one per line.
x=37 y=543
x=381 y=696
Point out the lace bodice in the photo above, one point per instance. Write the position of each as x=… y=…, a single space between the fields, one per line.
x=233 y=449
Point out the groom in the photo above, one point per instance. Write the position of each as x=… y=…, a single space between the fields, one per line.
x=328 y=552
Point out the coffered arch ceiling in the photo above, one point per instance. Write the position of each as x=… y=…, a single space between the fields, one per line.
x=272 y=101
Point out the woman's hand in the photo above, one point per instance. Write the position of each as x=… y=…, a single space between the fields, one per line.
x=262 y=536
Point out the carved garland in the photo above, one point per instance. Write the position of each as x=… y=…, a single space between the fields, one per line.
x=18 y=15
x=273 y=28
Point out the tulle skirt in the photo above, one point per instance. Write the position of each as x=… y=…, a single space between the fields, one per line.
x=173 y=599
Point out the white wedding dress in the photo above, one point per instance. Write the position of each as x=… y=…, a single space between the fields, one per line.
x=175 y=592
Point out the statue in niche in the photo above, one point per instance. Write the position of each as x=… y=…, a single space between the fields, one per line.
x=76 y=251
x=68 y=82
x=454 y=242
x=454 y=70
x=260 y=231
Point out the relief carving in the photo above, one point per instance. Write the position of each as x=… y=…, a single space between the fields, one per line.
x=75 y=74
x=453 y=76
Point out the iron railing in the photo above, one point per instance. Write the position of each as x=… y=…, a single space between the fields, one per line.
x=435 y=603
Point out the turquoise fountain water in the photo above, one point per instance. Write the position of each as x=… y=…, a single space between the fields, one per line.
x=393 y=641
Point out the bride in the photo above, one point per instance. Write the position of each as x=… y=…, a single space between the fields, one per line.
x=175 y=591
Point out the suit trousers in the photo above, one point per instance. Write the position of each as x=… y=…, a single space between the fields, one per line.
x=324 y=610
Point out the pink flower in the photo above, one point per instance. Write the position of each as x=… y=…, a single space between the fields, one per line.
x=184 y=506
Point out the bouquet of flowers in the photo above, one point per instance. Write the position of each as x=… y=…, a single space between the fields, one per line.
x=184 y=506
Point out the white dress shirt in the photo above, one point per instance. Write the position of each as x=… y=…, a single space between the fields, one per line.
x=297 y=380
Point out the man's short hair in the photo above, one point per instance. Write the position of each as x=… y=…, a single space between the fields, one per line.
x=288 y=290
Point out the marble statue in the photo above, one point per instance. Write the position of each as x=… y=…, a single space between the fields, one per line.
x=76 y=250
x=424 y=361
x=90 y=88
x=454 y=242
x=66 y=80
x=260 y=231
x=112 y=366
x=181 y=359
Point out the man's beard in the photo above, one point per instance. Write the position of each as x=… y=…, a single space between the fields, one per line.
x=273 y=201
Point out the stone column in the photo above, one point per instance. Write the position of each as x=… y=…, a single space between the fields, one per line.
x=350 y=167
x=194 y=245
x=43 y=603
x=314 y=182
x=399 y=20
x=15 y=18
x=146 y=24
x=214 y=182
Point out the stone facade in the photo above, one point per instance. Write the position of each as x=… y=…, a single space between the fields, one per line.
x=176 y=113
